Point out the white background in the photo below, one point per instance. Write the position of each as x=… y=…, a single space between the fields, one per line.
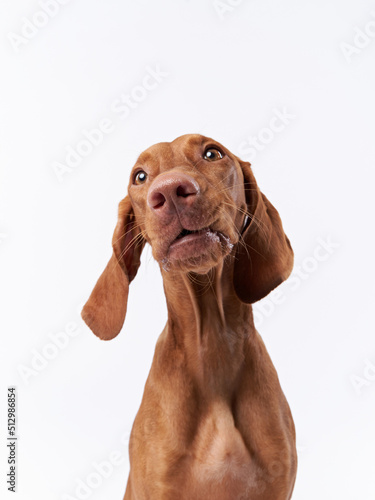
x=226 y=76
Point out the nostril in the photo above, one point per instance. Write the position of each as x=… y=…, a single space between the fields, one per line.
x=185 y=190
x=158 y=200
x=171 y=191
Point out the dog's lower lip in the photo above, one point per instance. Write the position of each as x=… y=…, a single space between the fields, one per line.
x=193 y=243
x=191 y=235
x=197 y=244
x=185 y=232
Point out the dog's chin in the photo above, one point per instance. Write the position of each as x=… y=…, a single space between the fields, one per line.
x=197 y=251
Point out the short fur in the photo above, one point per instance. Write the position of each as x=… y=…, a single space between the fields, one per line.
x=213 y=422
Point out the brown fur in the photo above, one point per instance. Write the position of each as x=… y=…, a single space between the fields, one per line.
x=213 y=422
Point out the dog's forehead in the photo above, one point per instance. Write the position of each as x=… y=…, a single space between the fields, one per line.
x=176 y=150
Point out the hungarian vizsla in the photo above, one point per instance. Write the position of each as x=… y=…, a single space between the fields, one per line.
x=213 y=422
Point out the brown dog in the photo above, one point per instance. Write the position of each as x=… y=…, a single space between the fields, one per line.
x=213 y=422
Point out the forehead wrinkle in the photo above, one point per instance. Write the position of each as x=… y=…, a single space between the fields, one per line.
x=144 y=157
x=190 y=140
x=183 y=147
x=156 y=154
x=164 y=155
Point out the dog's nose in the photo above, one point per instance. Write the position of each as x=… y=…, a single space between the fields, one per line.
x=170 y=191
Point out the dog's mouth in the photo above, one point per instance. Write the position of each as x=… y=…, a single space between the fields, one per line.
x=186 y=232
x=190 y=244
x=187 y=235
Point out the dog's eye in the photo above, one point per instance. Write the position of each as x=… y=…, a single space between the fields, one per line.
x=140 y=177
x=212 y=154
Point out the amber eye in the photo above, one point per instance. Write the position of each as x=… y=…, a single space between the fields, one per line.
x=212 y=154
x=140 y=177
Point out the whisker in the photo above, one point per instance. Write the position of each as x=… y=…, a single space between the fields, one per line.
x=137 y=237
x=236 y=185
x=135 y=226
x=261 y=225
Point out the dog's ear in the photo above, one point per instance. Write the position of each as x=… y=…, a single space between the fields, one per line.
x=264 y=257
x=105 y=310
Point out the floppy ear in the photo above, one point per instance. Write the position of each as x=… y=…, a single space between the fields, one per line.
x=105 y=310
x=266 y=258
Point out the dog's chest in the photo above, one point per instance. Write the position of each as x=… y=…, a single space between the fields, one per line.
x=221 y=461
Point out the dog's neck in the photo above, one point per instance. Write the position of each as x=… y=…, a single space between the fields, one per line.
x=208 y=323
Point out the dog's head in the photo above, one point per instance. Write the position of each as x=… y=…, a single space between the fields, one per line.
x=196 y=204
